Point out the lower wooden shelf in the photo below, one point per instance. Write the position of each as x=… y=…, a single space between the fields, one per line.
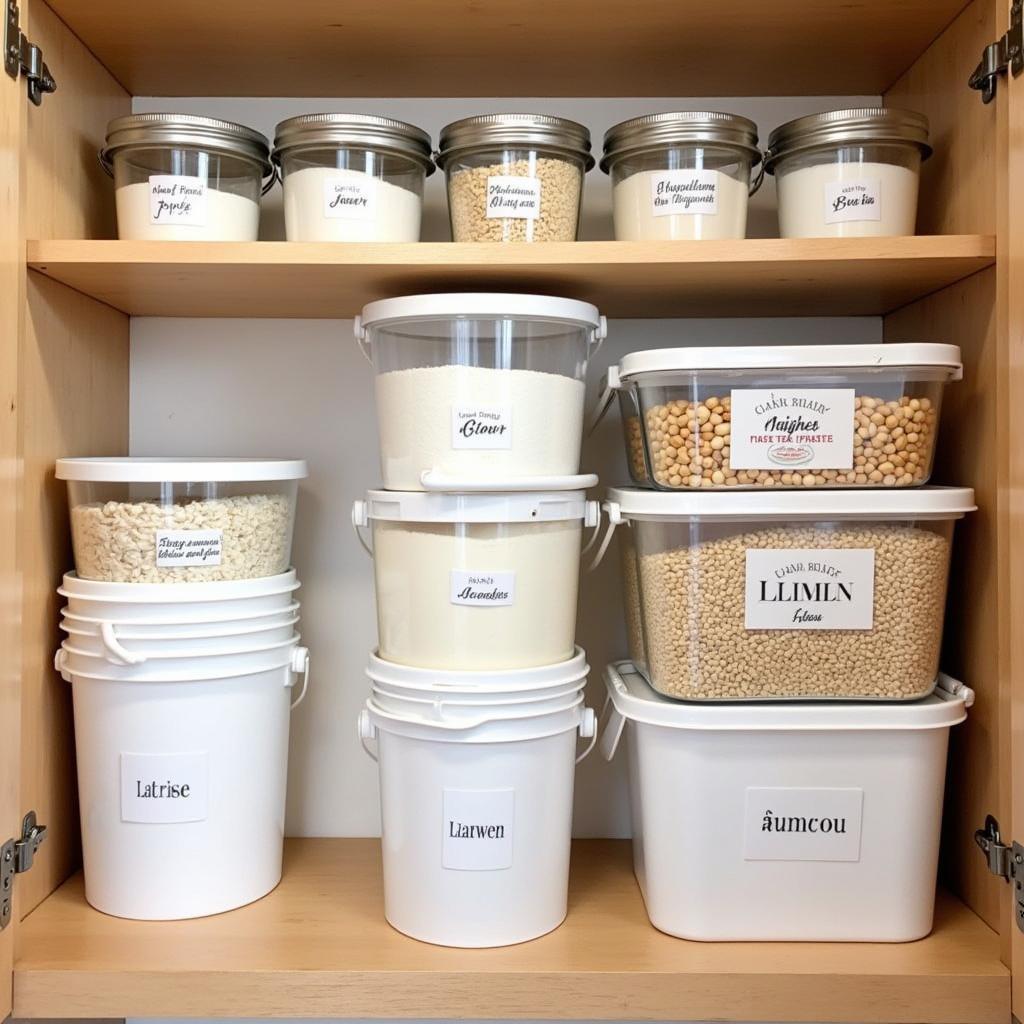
x=318 y=946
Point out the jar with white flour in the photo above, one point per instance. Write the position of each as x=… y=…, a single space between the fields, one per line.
x=352 y=177
x=182 y=177
x=685 y=174
x=476 y=581
x=476 y=390
x=848 y=173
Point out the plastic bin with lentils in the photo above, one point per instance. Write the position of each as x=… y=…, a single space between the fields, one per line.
x=783 y=416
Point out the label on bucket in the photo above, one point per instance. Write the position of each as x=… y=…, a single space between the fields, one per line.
x=350 y=197
x=812 y=588
x=188 y=547
x=483 y=589
x=478 y=426
x=177 y=199
x=164 y=788
x=853 y=200
x=510 y=195
x=803 y=824
x=688 y=192
x=478 y=829
x=791 y=429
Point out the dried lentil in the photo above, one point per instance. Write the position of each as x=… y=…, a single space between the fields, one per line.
x=699 y=648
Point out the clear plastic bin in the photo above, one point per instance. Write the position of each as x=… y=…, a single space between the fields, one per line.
x=478 y=387
x=144 y=520
x=789 y=416
x=788 y=596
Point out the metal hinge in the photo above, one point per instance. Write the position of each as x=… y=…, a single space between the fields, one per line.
x=1005 y=862
x=22 y=57
x=1006 y=54
x=16 y=857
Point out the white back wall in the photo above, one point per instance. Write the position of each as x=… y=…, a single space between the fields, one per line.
x=300 y=388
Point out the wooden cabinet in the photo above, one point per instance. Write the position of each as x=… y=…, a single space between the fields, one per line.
x=318 y=946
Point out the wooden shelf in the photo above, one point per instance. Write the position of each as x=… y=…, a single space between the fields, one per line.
x=533 y=48
x=318 y=946
x=752 y=277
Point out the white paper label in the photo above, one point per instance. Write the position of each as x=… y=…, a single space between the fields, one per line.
x=476 y=426
x=346 y=198
x=483 y=589
x=163 y=788
x=513 y=196
x=812 y=588
x=805 y=428
x=853 y=200
x=478 y=829
x=803 y=824
x=183 y=548
x=177 y=199
x=684 y=192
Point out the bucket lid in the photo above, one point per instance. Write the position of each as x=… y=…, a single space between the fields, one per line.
x=172 y=593
x=515 y=131
x=493 y=507
x=269 y=618
x=127 y=469
x=633 y=699
x=625 y=503
x=740 y=358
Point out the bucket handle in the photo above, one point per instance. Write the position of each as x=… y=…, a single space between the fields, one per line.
x=115 y=652
x=614 y=520
x=588 y=731
x=360 y=520
x=360 y=332
x=610 y=383
x=367 y=731
x=300 y=663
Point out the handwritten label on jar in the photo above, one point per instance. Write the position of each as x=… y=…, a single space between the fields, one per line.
x=853 y=200
x=684 y=192
x=184 y=548
x=483 y=589
x=799 y=429
x=347 y=199
x=792 y=823
x=178 y=199
x=513 y=196
x=164 y=788
x=475 y=426
x=477 y=829
x=813 y=588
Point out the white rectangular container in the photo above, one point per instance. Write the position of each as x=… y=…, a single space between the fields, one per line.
x=801 y=822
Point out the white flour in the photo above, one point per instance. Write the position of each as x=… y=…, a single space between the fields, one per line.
x=418 y=622
x=324 y=204
x=535 y=420
x=808 y=200
x=227 y=218
x=636 y=219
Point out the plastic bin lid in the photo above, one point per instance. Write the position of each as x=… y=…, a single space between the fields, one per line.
x=493 y=507
x=808 y=503
x=521 y=679
x=633 y=699
x=793 y=357
x=125 y=469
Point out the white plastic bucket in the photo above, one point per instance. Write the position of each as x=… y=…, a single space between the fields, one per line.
x=785 y=822
x=147 y=629
x=476 y=823
x=182 y=789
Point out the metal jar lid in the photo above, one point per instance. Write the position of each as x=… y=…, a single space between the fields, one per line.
x=515 y=131
x=366 y=131
x=859 y=126
x=185 y=131
x=680 y=128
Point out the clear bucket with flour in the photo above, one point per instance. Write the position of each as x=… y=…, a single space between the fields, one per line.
x=476 y=822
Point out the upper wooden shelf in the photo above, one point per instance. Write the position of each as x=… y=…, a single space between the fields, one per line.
x=527 y=48
x=319 y=947
x=752 y=277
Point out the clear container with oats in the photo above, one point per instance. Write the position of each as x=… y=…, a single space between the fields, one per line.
x=158 y=520
x=514 y=177
x=749 y=596
x=782 y=416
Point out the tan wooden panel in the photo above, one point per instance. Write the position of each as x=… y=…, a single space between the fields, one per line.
x=752 y=277
x=74 y=400
x=319 y=945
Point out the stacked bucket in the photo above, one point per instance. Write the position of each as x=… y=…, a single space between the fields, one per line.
x=183 y=656
x=477 y=704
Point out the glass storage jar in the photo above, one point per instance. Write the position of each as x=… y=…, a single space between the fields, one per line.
x=848 y=173
x=151 y=520
x=182 y=177
x=792 y=596
x=352 y=177
x=782 y=416
x=514 y=177
x=681 y=175
x=473 y=388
